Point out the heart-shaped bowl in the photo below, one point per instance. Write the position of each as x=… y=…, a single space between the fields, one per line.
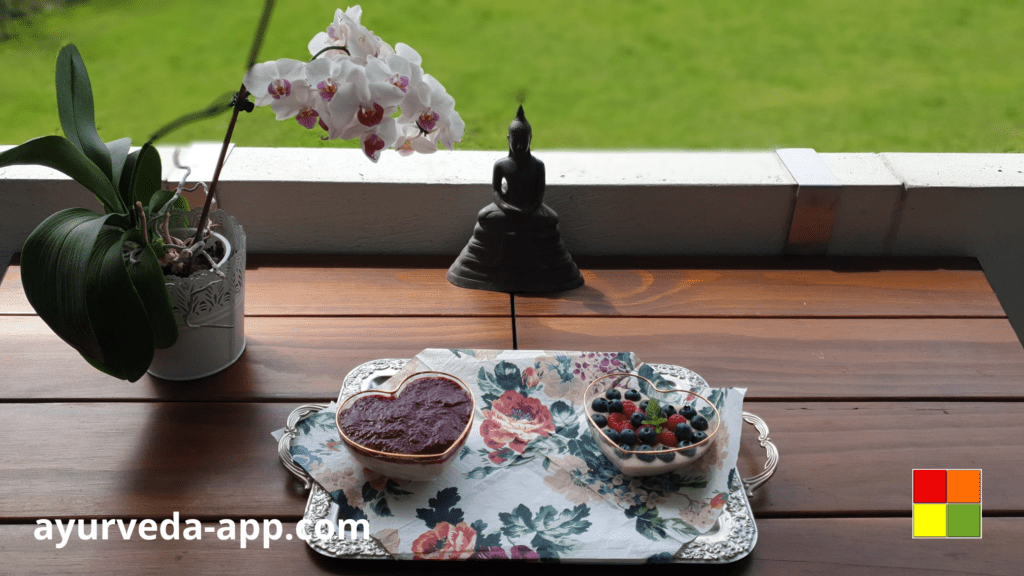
x=406 y=445
x=637 y=462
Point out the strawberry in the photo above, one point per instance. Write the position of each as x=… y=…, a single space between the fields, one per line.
x=675 y=420
x=628 y=408
x=668 y=438
x=619 y=422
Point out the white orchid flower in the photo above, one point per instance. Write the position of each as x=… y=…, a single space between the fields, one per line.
x=411 y=140
x=307 y=115
x=358 y=42
x=326 y=76
x=406 y=51
x=281 y=84
x=378 y=138
x=405 y=68
x=432 y=109
x=364 y=101
x=354 y=87
x=338 y=33
x=452 y=131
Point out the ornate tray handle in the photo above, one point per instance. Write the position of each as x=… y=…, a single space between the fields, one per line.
x=285 y=444
x=756 y=481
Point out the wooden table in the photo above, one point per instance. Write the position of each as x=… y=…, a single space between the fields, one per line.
x=863 y=369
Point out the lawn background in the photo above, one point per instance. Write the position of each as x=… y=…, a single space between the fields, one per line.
x=837 y=76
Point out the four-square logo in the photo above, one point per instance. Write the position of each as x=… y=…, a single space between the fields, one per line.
x=947 y=503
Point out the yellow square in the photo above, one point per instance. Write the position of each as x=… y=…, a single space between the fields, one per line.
x=929 y=520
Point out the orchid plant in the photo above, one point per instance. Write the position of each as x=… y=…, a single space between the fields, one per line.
x=358 y=86
x=98 y=279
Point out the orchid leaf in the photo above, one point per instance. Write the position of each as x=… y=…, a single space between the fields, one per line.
x=75 y=277
x=116 y=313
x=146 y=177
x=158 y=201
x=124 y=184
x=58 y=153
x=75 y=108
x=54 y=261
x=148 y=279
x=118 y=155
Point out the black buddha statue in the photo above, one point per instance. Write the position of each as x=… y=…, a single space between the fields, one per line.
x=516 y=246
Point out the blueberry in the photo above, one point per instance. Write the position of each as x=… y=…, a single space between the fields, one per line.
x=613 y=394
x=612 y=435
x=643 y=406
x=699 y=436
x=647 y=435
x=683 y=432
x=637 y=419
x=625 y=451
x=689 y=451
x=668 y=410
x=664 y=455
x=688 y=412
x=627 y=437
x=615 y=406
x=599 y=405
x=600 y=420
x=633 y=395
x=699 y=423
x=645 y=457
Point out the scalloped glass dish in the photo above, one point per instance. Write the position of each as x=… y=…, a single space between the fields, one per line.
x=635 y=462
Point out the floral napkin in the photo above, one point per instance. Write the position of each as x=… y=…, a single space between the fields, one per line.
x=530 y=482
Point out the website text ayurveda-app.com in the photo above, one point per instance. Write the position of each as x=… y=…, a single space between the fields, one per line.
x=174 y=528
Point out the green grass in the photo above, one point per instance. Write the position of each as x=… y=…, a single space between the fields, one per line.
x=837 y=76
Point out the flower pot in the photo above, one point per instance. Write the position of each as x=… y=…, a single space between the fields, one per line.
x=210 y=310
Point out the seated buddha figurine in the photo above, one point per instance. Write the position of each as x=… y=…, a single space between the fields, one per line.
x=516 y=246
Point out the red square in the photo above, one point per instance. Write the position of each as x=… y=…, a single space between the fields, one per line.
x=929 y=486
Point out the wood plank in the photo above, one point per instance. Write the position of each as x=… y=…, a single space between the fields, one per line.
x=839 y=287
x=214 y=460
x=855 y=546
x=335 y=285
x=858 y=457
x=811 y=358
x=796 y=547
x=285 y=358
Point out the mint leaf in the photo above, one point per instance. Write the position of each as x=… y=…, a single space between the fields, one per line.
x=655 y=416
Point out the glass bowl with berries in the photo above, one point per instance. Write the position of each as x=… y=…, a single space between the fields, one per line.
x=647 y=429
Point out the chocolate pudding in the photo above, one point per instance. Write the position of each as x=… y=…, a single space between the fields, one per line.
x=426 y=417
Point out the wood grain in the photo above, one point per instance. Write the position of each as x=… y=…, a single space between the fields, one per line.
x=335 y=285
x=215 y=460
x=811 y=358
x=415 y=285
x=796 y=547
x=857 y=457
x=285 y=358
x=770 y=292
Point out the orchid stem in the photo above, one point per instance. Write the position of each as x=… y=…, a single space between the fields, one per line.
x=254 y=51
x=201 y=225
x=328 y=49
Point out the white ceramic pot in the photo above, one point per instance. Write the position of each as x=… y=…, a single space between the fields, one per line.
x=210 y=310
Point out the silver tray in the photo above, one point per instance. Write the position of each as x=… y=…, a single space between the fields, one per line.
x=732 y=537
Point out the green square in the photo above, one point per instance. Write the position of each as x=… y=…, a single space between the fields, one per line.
x=964 y=520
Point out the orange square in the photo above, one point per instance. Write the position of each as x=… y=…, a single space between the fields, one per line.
x=963 y=486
